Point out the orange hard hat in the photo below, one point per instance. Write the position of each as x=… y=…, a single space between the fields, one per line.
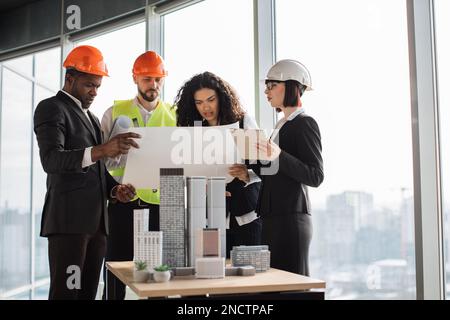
x=86 y=59
x=150 y=64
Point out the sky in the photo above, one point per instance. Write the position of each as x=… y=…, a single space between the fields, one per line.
x=357 y=54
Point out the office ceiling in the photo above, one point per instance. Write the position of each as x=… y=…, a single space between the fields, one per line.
x=6 y=5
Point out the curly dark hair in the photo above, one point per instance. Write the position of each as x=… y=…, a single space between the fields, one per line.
x=230 y=109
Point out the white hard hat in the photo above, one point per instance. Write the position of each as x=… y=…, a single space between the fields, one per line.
x=289 y=69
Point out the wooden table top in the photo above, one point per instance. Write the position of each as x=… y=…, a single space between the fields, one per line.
x=273 y=280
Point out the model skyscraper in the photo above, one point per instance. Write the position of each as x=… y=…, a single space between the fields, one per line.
x=196 y=213
x=172 y=217
x=216 y=208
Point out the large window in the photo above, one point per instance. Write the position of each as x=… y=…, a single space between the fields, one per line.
x=15 y=180
x=120 y=48
x=442 y=10
x=47 y=74
x=356 y=51
x=22 y=65
x=23 y=253
x=215 y=36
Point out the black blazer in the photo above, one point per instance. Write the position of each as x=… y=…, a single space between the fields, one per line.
x=243 y=199
x=76 y=198
x=300 y=164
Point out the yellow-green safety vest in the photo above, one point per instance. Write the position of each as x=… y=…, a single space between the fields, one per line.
x=163 y=116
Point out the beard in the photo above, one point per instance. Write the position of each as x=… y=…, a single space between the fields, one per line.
x=85 y=99
x=149 y=95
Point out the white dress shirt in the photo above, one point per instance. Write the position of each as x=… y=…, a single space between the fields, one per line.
x=87 y=158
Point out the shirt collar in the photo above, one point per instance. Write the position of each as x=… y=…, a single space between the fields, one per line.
x=137 y=103
x=78 y=102
x=283 y=120
x=295 y=113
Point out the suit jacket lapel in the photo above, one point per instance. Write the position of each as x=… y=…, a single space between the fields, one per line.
x=97 y=126
x=76 y=109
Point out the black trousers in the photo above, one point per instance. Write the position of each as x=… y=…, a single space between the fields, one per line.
x=120 y=240
x=289 y=237
x=75 y=265
x=248 y=234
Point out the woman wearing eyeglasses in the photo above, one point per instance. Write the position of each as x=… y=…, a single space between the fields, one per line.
x=295 y=163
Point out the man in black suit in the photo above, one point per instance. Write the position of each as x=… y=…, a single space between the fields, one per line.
x=74 y=217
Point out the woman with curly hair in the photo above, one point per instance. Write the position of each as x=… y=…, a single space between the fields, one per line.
x=208 y=100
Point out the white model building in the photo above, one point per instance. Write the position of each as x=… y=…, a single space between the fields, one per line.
x=256 y=256
x=196 y=214
x=147 y=244
x=172 y=217
x=210 y=268
x=216 y=211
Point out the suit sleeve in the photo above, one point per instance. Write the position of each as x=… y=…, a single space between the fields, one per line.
x=308 y=168
x=50 y=129
x=258 y=166
x=110 y=183
x=243 y=199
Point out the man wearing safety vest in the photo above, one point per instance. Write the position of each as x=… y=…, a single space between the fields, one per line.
x=145 y=110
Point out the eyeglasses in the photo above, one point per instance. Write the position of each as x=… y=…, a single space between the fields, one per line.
x=270 y=85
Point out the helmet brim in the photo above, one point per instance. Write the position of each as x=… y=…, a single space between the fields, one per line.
x=263 y=82
x=151 y=74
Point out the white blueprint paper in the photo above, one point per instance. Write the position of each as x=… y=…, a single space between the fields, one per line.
x=246 y=140
x=200 y=151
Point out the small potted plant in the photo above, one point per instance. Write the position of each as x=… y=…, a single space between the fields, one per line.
x=140 y=273
x=161 y=273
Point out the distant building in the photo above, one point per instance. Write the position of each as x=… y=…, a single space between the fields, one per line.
x=147 y=244
x=357 y=203
x=15 y=262
x=387 y=275
x=407 y=227
x=337 y=228
x=172 y=217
